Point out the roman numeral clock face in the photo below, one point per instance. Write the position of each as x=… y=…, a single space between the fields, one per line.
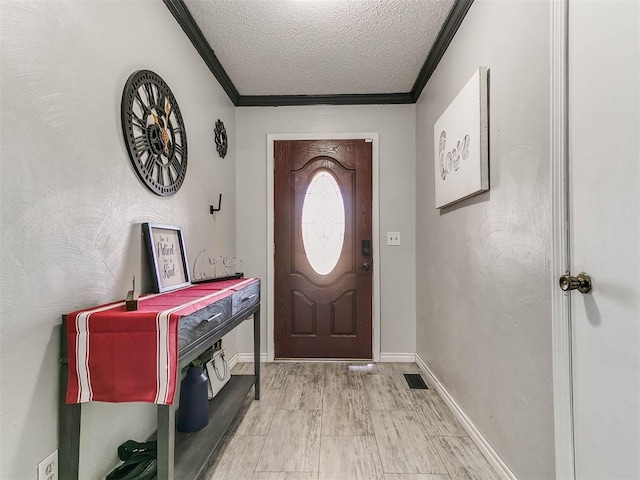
x=154 y=132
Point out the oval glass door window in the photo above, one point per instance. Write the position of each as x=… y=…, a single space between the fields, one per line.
x=323 y=222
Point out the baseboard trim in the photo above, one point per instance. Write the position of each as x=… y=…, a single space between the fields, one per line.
x=232 y=361
x=485 y=447
x=398 y=357
x=248 y=357
x=384 y=357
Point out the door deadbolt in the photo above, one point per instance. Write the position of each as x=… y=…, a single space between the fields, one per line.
x=582 y=282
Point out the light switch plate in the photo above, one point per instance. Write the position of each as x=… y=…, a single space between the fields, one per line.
x=393 y=238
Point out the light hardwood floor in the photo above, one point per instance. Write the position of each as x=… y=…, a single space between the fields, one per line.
x=345 y=421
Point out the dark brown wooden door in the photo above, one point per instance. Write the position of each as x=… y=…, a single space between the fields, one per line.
x=323 y=268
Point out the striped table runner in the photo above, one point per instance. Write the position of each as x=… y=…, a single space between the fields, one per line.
x=120 y=356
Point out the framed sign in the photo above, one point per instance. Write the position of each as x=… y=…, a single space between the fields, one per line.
x=167 y=256
x=461 y=140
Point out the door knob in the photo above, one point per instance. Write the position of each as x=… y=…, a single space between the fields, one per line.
x=582 y=282
x=366 y=267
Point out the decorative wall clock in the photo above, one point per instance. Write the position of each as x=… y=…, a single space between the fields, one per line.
x=154 y=132
x=220 y=134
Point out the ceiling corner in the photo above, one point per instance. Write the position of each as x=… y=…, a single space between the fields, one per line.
x=186 y=21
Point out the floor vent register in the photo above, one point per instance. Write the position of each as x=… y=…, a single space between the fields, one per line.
x=415 y=381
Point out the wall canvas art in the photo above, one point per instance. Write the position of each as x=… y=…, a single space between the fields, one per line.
x=461 y=141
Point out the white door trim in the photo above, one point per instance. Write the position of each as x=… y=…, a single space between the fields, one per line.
x=375 y=213
x=560 y=314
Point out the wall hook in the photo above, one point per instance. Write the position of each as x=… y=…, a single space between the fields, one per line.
x=216 y=209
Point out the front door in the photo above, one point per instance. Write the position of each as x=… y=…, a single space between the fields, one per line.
x=323 y=256
x=604 y=172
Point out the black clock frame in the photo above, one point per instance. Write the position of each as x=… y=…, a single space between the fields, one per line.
x=154 y=132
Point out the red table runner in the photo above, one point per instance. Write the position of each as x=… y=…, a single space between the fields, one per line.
x=120 y=356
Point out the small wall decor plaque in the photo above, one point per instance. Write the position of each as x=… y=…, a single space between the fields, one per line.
x=220 y=134
x=167 y=256
x=461 y=143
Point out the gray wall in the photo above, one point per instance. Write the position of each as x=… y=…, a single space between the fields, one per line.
x=396 y=127
x=483 y=290
x=72 y=204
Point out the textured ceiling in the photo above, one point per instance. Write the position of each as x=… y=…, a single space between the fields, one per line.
x=321 y=47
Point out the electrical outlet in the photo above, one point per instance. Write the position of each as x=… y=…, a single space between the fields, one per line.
x=48 y=468
x=393 y=238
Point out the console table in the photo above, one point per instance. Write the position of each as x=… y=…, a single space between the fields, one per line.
x=214 y=310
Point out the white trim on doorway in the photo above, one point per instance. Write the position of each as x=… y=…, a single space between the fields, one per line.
x=560 y=314
x=374 y=137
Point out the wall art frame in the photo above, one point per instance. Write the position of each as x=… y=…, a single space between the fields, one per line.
x=220 y=137
x=167 y=256
x=461 y=143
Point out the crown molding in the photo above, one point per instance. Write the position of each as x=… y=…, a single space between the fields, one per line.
x=182 y=15
x=347 y=99
x=448 y=31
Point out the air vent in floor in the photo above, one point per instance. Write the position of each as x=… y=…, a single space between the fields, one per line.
x=415 y=381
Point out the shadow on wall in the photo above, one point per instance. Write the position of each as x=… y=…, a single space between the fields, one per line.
x=592 y=310
x=483 y=197
x=48 y=389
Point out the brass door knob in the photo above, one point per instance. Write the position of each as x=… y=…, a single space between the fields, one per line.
x=582 y=282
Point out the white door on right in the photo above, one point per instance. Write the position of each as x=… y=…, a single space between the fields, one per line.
x=604 y=135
